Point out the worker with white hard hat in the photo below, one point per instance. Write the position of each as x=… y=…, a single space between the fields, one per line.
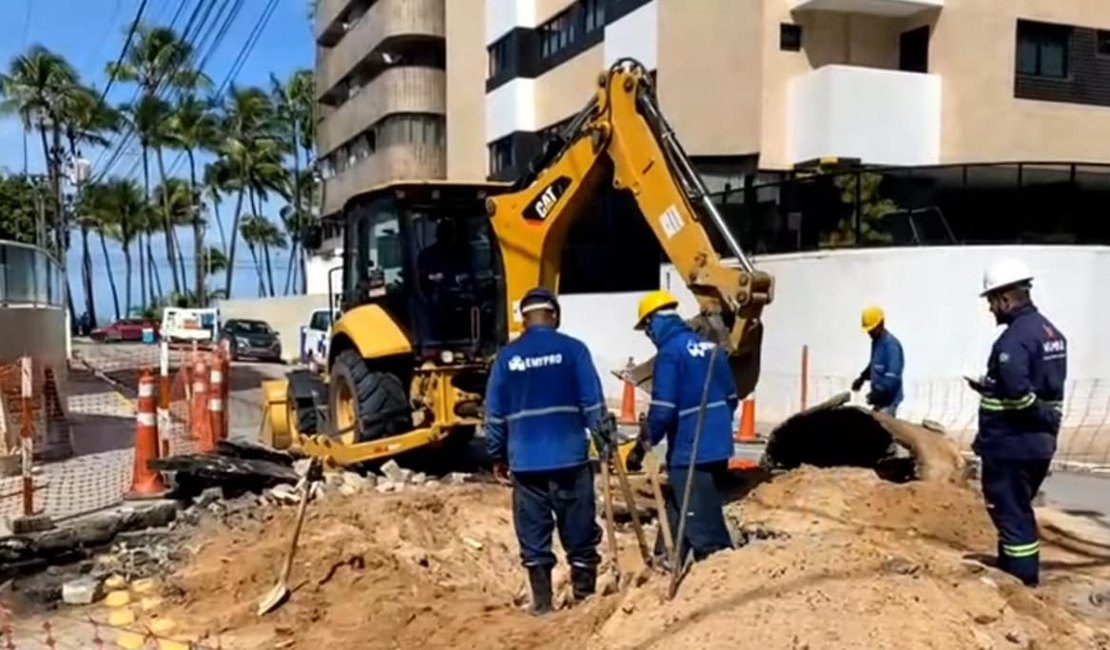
x=1021 y=398
x=885 y=367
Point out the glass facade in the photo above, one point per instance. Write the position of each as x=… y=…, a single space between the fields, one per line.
x=29 y=276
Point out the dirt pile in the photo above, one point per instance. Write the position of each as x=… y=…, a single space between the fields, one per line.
x=846 y=560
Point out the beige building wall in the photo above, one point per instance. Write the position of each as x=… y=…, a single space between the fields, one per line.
x=973 y=50
x=466 y=90
x=564 y=90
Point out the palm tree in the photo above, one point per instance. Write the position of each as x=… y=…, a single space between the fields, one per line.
x=192 y=127
x=217 y=182
x=294 y=102
x=252 y=154
x=149 y=118
x=270 y=237
x=122 y=212
x=251 y=228
x=34 y=88
x=175 y=198
x=158 y=58
x=86 y=118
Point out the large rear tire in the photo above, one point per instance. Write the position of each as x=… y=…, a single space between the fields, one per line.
x=366 y=404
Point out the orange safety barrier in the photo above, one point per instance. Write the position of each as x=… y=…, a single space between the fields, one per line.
x=200 y=421
x=217 y=418
x=146 y=482
x=741 y=464
x=628 y=399
x=746 y=431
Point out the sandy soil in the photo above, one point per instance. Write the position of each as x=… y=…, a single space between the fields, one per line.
x=844 y=560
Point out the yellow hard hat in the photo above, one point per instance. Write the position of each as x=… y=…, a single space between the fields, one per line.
x=652 y=303
x=872 y=317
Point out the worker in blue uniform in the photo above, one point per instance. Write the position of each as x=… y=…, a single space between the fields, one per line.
x=1021 y=398
x=884 y=370
x=679 y=377
x=543 y=396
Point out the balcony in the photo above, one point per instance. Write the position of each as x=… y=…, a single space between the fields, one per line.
x=328 y=27
x=385 y=19
x=870 y=7
x=884 y=117
x=399 y=162
x=396 y=90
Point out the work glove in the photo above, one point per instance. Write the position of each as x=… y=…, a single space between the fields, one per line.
x=604 y=435
x=857 y=384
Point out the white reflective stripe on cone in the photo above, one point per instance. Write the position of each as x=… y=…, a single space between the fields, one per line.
x=146 y=419
x=146 y=389
x=215 y=404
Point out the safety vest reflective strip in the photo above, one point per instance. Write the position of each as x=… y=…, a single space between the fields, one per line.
x=997 y=404
x=694 y=409
x=532 y=413
x=1021 y=550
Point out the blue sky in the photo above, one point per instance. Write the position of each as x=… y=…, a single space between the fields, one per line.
x=90 y=33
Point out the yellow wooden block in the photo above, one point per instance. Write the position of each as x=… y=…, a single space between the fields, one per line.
x=113 y=583
x=143 y=586
x=163 y=626
x=169 y=644
x=130 y=640
x=117 y=599
x=150 y=603
x=121 y=618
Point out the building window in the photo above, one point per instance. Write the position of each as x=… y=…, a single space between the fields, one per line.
x=1042 y=49
x=594 y=13
x=1103 y=39
x=557 y=34
x=500 y=155
x=498 y=57
x=790 y=37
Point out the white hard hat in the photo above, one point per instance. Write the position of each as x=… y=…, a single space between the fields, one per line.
x=1004 y=273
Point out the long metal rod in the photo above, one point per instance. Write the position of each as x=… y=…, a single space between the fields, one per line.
x=676 y=567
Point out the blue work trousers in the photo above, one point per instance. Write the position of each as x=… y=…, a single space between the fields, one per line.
x=562 y=498
x=1009 y=487
x=706 y=531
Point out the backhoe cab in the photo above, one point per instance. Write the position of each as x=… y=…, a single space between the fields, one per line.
x=420 y=316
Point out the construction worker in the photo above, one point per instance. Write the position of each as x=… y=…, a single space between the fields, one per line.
x=543 y=395
x=1020 y=404
x=678 y=381
x=884 y=370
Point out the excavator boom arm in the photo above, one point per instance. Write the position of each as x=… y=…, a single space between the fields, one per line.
x=621 y=137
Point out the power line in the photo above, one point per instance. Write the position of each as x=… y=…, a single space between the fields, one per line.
x=126 y=46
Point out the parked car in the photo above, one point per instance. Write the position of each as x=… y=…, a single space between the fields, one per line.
x=250 y=338
x=124 y=329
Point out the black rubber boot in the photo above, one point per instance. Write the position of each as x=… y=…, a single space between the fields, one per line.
x=540 y=579
x=583 y=580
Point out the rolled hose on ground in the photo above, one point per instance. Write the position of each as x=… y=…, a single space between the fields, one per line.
x=854 y=437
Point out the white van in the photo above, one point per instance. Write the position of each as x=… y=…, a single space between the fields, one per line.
x=314 y=338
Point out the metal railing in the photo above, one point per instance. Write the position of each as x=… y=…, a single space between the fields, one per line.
x=29 y=277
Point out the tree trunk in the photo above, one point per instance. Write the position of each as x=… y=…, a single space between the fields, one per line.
x=143 y=280
x=297 y=204
x=60 y=224
x=155 y=276
x=234 y=238
x=41 y=238
x=198 y=233
x=219 y=224
x=127 y=278
x=167 y=224
x=86 y=274
x=257 y=270
x=111 y=275
x=289 y=275
x=269 y=269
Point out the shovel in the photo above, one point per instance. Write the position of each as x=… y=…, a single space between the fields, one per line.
x=276 y=596
x=610 y=520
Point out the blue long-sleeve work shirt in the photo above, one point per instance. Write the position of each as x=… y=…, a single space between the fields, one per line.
x=543 y=394
x=677 y=383
x=885 y=369
x=1020 y=406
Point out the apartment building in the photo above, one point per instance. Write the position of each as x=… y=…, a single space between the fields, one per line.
x=765 y=84
x=381 y=91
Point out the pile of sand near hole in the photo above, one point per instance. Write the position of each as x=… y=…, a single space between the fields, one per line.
x=436 y=569
x=861 y=563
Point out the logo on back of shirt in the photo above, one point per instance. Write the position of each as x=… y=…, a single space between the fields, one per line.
x=699 y=348
x=519 y=364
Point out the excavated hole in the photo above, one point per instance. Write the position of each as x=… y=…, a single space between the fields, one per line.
x=844 y=437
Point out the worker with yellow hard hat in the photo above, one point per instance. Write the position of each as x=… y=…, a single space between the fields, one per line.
x=884 y=370
x=684 y=362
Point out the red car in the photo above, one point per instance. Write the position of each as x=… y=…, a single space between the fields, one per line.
x=125 y=329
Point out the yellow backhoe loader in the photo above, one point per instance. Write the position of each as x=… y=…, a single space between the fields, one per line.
x=432 y=274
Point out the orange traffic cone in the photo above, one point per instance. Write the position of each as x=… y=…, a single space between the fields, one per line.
x=146 y=482
x=628 y=398
x=199 y=418
x=746 y=432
